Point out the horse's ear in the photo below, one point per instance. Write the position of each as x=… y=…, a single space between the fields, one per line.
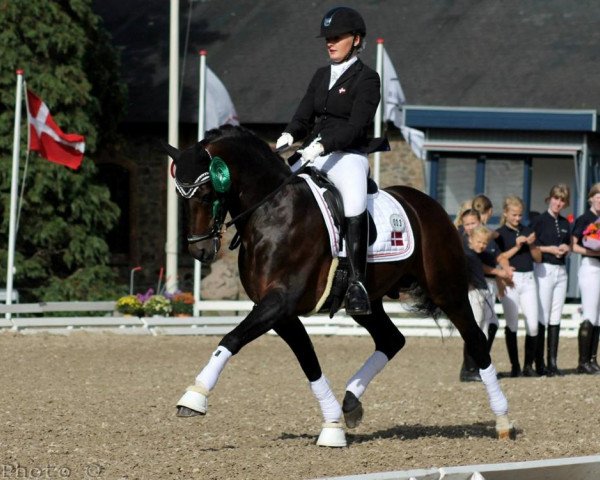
x=173 y=152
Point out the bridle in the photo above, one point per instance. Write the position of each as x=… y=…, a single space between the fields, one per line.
x=218 y=174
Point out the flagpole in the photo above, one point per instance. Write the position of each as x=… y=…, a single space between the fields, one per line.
x=14 y=186
x=201 y=129
x=172 y=211
x=379 y=113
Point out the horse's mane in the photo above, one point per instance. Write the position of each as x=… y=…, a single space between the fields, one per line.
x=246 y=144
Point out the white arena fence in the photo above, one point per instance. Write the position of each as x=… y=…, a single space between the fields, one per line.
x=218 y=317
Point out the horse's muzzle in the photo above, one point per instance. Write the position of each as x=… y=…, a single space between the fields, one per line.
x=206 y=250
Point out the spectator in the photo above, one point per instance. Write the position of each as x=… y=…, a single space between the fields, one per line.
x=589 y=284
x=552 y=234
x=517 y=243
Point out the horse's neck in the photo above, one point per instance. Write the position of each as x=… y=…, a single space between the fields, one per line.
x=253 y=189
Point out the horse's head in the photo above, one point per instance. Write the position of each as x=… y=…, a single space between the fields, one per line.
x=203 y=181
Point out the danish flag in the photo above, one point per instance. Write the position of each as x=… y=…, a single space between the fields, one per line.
x=397 y=240
x=46 y=137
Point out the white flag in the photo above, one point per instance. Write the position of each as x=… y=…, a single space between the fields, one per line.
x=394 y=102
x=219 y=107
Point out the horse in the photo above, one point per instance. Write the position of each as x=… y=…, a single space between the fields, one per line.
x=284 y=264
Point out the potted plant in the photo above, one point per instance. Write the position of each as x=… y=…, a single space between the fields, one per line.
x=157 y=305
x=129 y=305
x=182 y=304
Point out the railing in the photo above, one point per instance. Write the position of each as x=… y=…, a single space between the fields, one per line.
x=220 y=316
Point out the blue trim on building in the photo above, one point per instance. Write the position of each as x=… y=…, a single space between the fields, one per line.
x=501 y=119
x=480 y=176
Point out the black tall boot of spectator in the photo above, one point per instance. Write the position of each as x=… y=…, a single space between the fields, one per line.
x=540 y=367
x=513 y=352
x=584 y=341
x=530 y=349
x=594 y=349
x=553 y=335
x=469 y=372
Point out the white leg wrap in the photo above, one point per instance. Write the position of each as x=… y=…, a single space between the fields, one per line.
x=210 y=374
x=361 y=379
x=498 y=401
x=330 y=407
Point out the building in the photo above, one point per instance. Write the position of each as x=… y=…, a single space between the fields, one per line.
x=506 y=93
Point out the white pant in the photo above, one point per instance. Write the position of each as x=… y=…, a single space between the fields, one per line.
x=589 y=284
x=480 y=304
x=552 y=291
x=524 y=295
x=348 y=172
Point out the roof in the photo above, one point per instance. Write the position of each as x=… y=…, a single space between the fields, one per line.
x=463 y=53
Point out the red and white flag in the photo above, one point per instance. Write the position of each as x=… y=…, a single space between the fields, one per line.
x=46 y=137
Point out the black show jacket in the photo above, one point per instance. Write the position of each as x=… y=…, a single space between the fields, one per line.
x=342 y=115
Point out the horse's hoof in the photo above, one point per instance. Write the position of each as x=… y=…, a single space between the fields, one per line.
x=505 y=430
x=193 y=402
x=187 y=412
x=353 y=410
x=332 y=435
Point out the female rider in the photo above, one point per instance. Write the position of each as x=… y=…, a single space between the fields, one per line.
x=334 y=116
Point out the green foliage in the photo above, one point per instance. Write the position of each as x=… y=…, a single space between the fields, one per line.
x=65 y=216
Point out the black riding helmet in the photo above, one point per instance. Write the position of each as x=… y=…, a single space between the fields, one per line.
x=340 y=20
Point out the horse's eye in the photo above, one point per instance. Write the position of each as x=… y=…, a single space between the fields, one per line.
x=205 y=199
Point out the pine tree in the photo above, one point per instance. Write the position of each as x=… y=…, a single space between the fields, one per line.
x=61 y=252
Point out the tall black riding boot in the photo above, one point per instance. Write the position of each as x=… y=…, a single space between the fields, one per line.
x=469 y=372
x=513 y=352
x=492 y=329
x=553 y=334
x=540 y=367
x=594 y=349
x=357 y=237
x=584 y=340
x=530 y=346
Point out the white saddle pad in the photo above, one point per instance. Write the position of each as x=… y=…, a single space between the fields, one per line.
x=395 y=239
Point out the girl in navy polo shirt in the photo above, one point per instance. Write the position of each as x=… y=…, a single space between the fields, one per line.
x=517 y=242
x=589 y=284
x=553 y=237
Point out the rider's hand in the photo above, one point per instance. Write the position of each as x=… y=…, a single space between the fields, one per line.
x=311 y=152
x=285 y=140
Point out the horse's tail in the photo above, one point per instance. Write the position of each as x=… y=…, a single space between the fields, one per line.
x=421 y=303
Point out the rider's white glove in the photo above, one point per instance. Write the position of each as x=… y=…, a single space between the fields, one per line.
x=285 y=140
x=311 y=152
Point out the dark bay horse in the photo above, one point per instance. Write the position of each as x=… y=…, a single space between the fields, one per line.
x=284 y=263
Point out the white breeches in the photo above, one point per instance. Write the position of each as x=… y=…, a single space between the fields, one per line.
x=522 y=295
x=348 y=172
x=552 y=291
x=481 y=306
x=589 y=284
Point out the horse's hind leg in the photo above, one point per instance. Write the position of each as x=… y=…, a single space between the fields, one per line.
x=294 y=334
x=460 y=314
x=388 y=341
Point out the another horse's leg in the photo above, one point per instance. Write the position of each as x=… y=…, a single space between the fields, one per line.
x=388 y=341
x=294 y=334
x=273 y=307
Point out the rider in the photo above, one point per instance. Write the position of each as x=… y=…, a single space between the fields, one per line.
x=334 y=116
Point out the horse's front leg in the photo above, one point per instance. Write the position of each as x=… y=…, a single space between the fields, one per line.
x=294 y=334
x=273 y=307
x=388 y=341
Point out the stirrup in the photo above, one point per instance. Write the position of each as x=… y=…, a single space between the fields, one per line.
x=358 y=304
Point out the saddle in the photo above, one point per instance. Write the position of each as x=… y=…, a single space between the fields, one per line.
x=335 y=204
x=333 y=198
